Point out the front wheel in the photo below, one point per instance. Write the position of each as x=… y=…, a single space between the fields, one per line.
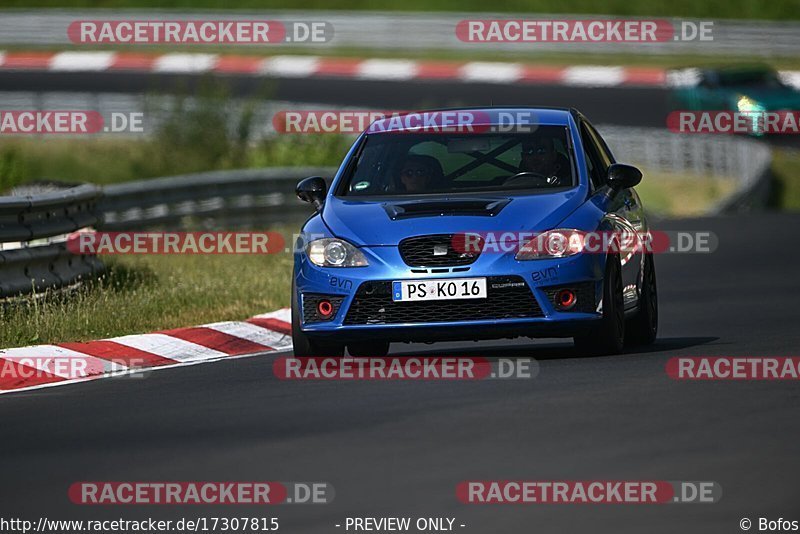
x=642 y=328
x=305 y=346
x=608 y=336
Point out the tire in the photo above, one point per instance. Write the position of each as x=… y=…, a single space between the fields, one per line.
x=608 y=336
x=305 y=346
x=377 y=349
x=642 y=328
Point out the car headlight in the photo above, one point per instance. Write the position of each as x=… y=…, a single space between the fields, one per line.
x=560 y=243
x=332 y=252
x=745 y=104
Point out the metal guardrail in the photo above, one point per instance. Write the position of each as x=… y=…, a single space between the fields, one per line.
x=415 y=31
x=33 y=253
x=225 y=199
x=34 y=228
x=744 y=160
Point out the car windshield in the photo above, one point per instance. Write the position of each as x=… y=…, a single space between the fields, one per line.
x=402 y=163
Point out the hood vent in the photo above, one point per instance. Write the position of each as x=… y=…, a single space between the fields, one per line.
x=482 y=207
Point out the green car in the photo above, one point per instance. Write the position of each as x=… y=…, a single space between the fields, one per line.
x=742 y=89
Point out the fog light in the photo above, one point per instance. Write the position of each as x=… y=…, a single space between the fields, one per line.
x=325 y=308
x=566 y=299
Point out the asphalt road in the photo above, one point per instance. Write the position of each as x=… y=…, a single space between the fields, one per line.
x=608 y=105
x=400 y=448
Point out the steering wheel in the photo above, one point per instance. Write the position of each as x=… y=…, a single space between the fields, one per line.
x=538 y=177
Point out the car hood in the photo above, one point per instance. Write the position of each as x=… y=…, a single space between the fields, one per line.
x=377 y=222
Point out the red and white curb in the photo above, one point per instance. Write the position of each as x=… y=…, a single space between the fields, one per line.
x=310 y=66
x=290 y=66
x=283 y=66
x=40 y=366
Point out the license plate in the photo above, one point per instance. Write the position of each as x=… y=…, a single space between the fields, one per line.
x=444 y=289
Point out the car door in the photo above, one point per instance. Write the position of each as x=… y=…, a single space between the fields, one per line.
x=624 y=212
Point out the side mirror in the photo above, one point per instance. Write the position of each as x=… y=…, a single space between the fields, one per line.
x=621 y=176
x=312 y=190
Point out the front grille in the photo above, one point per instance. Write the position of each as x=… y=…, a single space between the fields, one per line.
x=508 y=297
x=585 y=291
x=310 y=301
x=439 y=250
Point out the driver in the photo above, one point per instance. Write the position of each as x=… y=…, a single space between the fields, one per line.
x=420 y=174
x=539 y=155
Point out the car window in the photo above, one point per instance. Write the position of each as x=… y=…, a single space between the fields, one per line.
x=602 y=148
x=594 y=165
x=397 y=163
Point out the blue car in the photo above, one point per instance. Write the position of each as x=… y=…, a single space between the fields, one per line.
x=474 y=224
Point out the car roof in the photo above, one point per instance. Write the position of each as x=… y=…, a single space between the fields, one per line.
x=490 y=116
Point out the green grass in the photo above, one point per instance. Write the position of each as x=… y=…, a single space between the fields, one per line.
x=681 y=195
x=106 y=160
x=148 y=293
x=713 y=9
x=213 y=135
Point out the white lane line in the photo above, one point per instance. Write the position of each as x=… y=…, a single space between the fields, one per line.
x=185 y=63
x=594 y=76
x=169 y=347
x=387 y=69
x=82 y=61
x=254 y=333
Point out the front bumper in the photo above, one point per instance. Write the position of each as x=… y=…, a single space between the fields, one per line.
x=525 y=308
